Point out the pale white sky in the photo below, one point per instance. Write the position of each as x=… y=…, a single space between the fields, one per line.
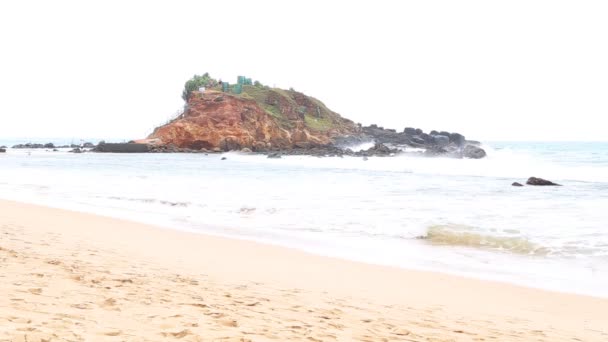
x=492 y=70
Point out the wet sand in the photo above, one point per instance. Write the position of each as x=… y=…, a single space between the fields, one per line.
x=79 y=277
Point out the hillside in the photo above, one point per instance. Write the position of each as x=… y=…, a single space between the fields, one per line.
x=256 y=117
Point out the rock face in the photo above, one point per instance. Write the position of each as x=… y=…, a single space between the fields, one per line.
x=540 y=181
x=260 y=119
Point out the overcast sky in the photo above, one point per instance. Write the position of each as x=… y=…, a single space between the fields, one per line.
x=492 y=70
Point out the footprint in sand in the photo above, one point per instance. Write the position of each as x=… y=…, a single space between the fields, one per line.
x=179 y=334
x=36 y=291
x=229 y=323
x=108 y=303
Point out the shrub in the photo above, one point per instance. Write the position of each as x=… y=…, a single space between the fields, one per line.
x=196 y=82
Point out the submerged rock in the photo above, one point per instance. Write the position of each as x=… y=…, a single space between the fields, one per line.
x=540 y=181
x=517 y=184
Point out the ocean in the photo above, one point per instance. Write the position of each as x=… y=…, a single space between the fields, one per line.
x=455 y=216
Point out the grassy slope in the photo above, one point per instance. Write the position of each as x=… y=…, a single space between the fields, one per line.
x=317 y=117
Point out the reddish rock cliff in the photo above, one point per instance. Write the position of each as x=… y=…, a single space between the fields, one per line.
x=259 y=118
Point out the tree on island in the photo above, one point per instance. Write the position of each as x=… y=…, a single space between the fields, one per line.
x=196 y=82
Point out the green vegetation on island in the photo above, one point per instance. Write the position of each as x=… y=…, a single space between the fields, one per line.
x=285 y=106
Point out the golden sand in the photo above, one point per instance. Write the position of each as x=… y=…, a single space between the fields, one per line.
x=67 y=276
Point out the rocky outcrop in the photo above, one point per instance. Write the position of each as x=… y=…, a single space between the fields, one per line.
x=268 y=120
x=473 y=152
x=540 y=181
x=435 y=143
x=258 y=119
x=52 y=146
x=29 y=145
x=122 y=148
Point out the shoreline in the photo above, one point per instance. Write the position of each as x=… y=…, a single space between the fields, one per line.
x=247 y=289
x=215 y=232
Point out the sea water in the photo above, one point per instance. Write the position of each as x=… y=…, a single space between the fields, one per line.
x=456 y=216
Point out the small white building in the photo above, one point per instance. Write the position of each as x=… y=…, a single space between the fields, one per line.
x=201 y=89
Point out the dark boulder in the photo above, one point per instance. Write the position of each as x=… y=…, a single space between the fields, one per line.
x=386 y=136
x=224 y=158
x=410 y=131
x=418 y=131
x=434 y=132
x=259 y=146
x=274 y=155
x=381 y=148
x=428 y=139
x=29 y=145
x=447 y=134
x=457 y=139
x=516 y=184
x=540 y=181
x=76 y=150
x=435 y=151
x=441 y=140
x=122 y=148
x=229 y=144
x=418 y=140
x=2 y=150
x=473 y=152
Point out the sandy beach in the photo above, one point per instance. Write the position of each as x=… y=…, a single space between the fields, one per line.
x=68 y=276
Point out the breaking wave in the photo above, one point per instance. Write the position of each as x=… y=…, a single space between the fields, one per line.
x=465 y=236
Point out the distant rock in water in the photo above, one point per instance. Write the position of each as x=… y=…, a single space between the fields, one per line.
x=540 y=181
x=517 y=184
x=30 y=145
x=2 y=150
x=473 y=152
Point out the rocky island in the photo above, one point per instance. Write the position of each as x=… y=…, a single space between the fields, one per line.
x=252 y=117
